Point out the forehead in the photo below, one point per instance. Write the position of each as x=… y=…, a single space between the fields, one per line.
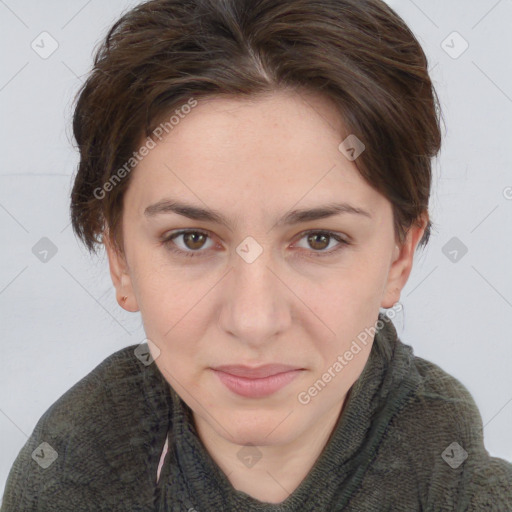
x=280 y=147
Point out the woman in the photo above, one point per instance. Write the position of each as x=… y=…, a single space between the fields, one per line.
x=259 y=173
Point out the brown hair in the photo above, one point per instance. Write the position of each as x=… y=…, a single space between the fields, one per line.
x=358 y=53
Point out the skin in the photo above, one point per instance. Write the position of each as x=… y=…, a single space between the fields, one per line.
x=253 y=161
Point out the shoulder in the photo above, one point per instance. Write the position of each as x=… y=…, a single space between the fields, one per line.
x=96 y=438
x=441 y=401
x=95 y=400
x=440 y=431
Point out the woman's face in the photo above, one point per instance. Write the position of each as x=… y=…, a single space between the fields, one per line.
x=253 y=282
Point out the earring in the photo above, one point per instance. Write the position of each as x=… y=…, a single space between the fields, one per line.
x=124 y=299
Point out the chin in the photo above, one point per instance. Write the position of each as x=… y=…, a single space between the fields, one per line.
x=258 y=428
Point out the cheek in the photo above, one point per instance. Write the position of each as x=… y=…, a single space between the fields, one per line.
x=163 y=295
x=348 y=298
x=350 y=313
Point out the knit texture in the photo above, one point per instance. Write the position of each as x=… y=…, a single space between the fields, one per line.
x=392 y=449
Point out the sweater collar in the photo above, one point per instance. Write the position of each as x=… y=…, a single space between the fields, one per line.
x=191 y=480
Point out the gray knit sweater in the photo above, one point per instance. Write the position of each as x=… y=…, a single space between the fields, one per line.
x=409 y=439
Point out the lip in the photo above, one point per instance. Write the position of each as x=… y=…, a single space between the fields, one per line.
x=256 y=372
x=244 y=381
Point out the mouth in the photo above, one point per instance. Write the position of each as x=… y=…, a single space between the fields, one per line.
x=256 y=382
x=256 y=372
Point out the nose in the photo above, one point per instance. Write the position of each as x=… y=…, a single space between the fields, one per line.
x=256 y=304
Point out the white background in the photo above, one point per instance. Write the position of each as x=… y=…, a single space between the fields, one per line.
x=59 y=319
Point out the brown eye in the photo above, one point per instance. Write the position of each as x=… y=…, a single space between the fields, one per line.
x=192 y=243
x=323 y=243
x=318 y=241
x=194 y=240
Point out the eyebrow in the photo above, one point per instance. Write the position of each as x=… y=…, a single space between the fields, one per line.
x=167 y=206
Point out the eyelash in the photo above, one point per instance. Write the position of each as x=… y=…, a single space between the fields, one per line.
x=168 y=242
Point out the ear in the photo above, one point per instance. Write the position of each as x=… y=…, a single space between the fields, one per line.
x=120 y=276
x=401 y=265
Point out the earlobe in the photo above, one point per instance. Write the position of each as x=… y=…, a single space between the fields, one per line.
x=120 y=277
